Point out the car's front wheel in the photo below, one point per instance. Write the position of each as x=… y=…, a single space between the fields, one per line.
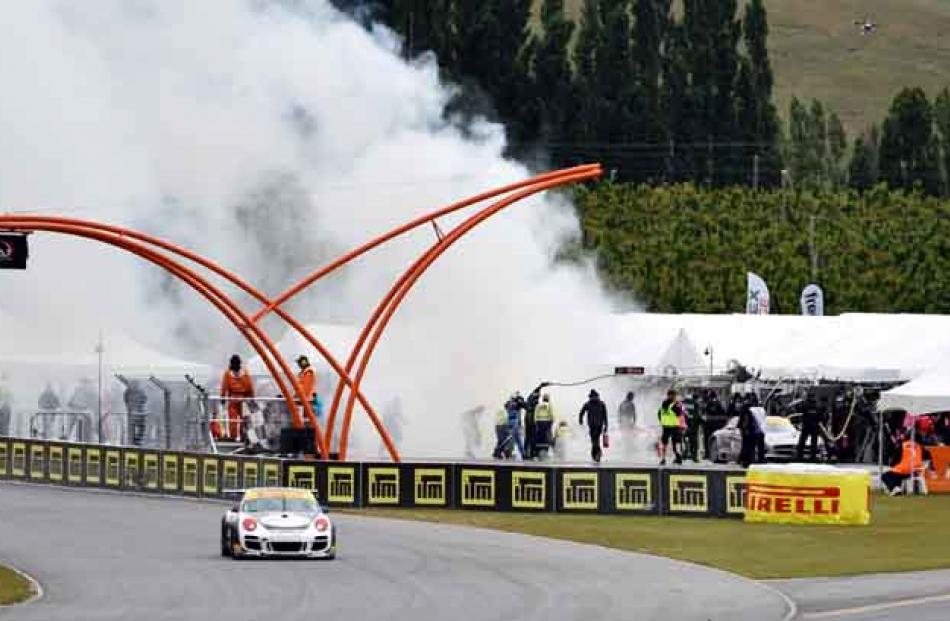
x=225 y=541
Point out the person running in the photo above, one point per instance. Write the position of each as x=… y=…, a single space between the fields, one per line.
x=596 y=413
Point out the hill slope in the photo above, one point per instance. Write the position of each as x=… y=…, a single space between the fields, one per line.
x=818 y=51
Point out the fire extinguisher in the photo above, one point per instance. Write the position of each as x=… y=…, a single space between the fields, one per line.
x=606 y=440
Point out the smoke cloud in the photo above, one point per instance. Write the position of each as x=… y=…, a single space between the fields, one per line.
x=271 y=136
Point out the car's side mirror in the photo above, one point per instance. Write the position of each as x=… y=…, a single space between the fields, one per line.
x=325 y=508
x=236 y=507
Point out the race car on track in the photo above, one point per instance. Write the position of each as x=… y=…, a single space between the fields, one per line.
x=277 y=522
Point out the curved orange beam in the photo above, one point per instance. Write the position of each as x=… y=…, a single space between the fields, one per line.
x=398 y=293
x=373 y=243
x=351 y=359
x=240 y=283
x=258 y=340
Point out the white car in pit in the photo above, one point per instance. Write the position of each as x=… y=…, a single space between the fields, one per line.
x=275 y=522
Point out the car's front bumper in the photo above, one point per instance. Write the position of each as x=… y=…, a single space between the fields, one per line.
x=304 y=545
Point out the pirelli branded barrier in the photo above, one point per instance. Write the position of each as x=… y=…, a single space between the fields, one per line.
x=808 y=494
x=488 y=486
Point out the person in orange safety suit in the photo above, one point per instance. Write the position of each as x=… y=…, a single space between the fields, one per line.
x=308 y=383
x=235 y=384
x=911 y=460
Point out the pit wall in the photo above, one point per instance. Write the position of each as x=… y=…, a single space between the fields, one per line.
x=524 y=487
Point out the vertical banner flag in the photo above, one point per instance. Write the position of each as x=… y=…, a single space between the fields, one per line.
x=813 y=301
x=757 y=297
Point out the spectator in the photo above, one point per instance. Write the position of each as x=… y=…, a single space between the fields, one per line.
x=596 y=413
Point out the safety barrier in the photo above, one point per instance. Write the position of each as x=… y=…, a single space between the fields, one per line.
x=523 y=487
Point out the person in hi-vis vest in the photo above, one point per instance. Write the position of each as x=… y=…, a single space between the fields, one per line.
x=669 y=415
x=543 y=422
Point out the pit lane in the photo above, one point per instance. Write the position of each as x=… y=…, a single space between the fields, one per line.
x=107 y=556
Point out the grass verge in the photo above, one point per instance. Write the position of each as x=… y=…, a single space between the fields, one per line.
x=13 y=587
x=905 y=534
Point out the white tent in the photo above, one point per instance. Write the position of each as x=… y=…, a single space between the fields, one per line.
x=681 y=357
x=930 y=392
x=64 y=347
x=850 y=347
x=336 y=337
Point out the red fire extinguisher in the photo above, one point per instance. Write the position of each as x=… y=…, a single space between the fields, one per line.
x=606 y=440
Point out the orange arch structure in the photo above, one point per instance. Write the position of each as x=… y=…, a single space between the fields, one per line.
x=593 y=170
x=391 y=301
x=145 y=246
x=261 y=343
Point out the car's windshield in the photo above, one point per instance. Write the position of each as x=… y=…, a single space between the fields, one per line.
x=279 y=504
x=778 y=425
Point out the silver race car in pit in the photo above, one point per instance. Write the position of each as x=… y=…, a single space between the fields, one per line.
x=277 y=522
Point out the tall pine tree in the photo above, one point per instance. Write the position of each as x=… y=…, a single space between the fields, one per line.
x=551 y=68
x=652 y=26
x=942 y=122
x=757 y=118
x=711 y=34
x=584 y=129
x=909 y=150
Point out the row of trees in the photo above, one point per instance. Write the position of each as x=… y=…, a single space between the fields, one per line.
x=655 y=96
x=687 y=249
x=910 y=150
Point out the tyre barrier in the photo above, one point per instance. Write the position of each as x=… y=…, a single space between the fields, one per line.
x=486 y=486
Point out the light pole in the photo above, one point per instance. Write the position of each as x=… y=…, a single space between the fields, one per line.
x=709 y=352
x=99 y=350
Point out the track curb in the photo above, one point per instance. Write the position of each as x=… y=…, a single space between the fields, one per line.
x=35 y=587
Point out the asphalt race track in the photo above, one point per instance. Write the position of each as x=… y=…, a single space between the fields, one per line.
x=911 y=596
x=106 y=557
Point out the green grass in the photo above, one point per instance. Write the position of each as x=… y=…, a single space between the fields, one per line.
x=818 y=52
x=13 y=587
x=905 y=534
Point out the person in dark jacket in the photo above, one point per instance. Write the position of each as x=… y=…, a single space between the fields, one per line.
x=752 y=426
x=596 y=413
x=810 y=421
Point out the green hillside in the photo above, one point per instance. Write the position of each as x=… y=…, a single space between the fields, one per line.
x=818 y=51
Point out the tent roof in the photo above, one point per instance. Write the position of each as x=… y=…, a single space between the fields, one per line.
x=336 y=337
x=850 y=347
x=930 y=392
x=67 y=346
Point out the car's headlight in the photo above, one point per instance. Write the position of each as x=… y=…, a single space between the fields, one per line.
x=321 y=524
x=249 y=524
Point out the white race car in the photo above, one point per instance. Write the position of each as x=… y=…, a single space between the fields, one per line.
x=277 y=522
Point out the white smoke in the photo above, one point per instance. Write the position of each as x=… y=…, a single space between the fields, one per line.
x=271 y=136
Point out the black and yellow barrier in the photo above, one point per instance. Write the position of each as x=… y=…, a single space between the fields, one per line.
x=489 y=486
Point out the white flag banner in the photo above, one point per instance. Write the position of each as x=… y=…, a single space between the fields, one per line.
x=813 y=301
x=757 y=296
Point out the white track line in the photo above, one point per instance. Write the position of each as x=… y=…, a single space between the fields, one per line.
x=901 y=603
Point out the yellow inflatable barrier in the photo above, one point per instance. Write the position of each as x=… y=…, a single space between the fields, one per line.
x=807 y=494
